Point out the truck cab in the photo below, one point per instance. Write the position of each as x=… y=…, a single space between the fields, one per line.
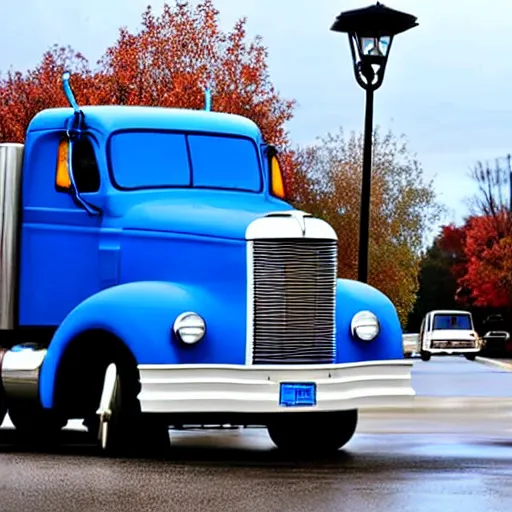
x=154 y=275
x=448 y=332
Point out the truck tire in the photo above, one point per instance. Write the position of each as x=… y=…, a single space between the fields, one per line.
x=36 y=427
x=313 y=433
x=470 y=357
x=128 y=432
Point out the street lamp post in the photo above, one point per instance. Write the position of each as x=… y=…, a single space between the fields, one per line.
x=370 y=32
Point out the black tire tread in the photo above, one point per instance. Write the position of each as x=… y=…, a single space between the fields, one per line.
x=36 y=427
x=317 y=433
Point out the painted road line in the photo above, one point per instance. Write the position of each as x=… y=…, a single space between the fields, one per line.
x=495 y=362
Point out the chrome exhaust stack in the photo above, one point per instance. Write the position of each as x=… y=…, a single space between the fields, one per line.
x=19 y=377
x=11 y=158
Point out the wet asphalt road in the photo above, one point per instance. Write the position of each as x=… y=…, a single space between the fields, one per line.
x=454 y=376
x=452 y=452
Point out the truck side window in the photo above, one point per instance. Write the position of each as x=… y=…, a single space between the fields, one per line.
x=85 y=166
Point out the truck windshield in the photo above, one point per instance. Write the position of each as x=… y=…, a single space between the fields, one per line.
x=452 y=322
x=150 y=159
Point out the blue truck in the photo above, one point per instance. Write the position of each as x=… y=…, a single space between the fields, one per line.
x=153 y=275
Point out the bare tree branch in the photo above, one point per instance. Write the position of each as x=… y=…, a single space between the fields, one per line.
x=491 y=199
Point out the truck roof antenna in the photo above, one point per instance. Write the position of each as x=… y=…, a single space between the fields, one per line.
x=208 y=99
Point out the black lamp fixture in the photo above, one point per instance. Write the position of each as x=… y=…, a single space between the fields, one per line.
x=370 y=32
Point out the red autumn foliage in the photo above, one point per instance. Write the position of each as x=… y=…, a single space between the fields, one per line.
x=488 y=251
x=452 y=242
x=168 y=63
x=482 y=258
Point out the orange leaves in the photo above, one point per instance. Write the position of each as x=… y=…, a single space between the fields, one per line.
x=182 y=51
x=24 y=95
x=168 y=62
x=176 y=55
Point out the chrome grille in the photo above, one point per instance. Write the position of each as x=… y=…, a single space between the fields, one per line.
x=294 y=291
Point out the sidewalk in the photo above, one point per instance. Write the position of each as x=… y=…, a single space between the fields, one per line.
x=500 y=363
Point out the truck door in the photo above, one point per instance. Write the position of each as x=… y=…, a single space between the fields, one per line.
x=59 y=238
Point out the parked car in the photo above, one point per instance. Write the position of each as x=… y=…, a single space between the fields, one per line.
x=446 y=332
x=495 y=343
x=411 y=344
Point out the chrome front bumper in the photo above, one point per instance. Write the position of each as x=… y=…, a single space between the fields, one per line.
x=177 y=389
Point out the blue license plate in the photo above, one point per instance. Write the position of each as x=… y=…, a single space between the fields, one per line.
x=297 y=394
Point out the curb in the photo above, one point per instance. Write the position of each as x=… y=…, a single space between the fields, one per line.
x=494 y=362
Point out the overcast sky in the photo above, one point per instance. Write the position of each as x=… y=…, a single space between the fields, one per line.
x=447 y=85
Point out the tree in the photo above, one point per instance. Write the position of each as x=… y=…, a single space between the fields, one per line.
x=176 y=55
x=485 y=243
x=478 y=254
x=168 y=62
x=437 y=282
x=488 y=251
x=451 y=277
x=23 y=95
x=328 y=183
x=452 y=243
x=491 y=183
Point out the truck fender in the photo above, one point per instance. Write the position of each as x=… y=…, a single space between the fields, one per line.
x=126 y=311
x=352 y=297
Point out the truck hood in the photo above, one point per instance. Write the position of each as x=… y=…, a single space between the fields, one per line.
x=216 y=217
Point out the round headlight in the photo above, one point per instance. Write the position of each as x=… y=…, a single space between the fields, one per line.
x=189 y=328
x=365 y=326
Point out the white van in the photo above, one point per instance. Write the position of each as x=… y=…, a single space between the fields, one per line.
x=446 y=332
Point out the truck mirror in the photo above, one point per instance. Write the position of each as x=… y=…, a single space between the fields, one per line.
x=62 y=177
x=65 y=181
x=277 y=186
